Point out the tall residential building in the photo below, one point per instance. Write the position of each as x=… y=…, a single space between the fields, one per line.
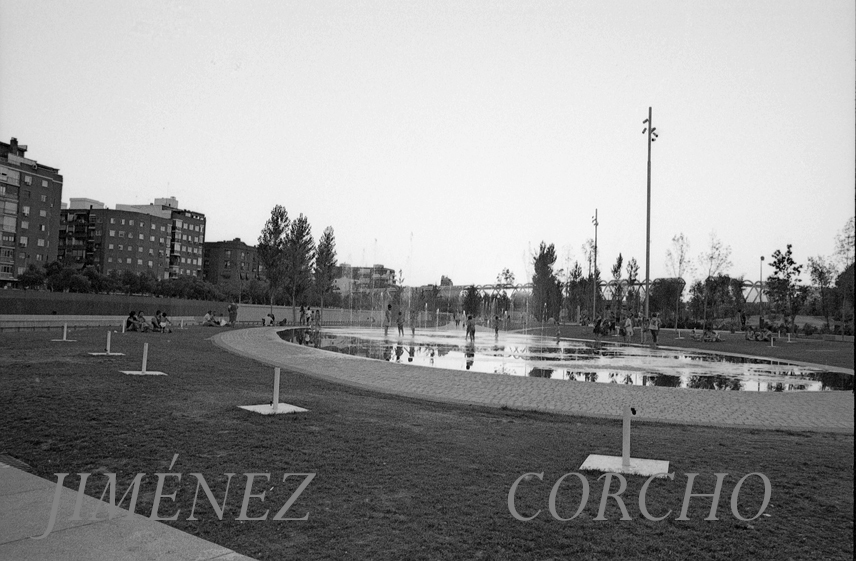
x=230 y=263
x=92 y=235
x=30 y=195
x=188 y=234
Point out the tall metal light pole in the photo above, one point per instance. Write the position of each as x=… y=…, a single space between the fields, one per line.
x=761 y=295
x=594 y=271
x=652 y=136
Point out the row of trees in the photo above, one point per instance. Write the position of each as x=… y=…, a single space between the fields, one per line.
x=716 y=295
x=296 y=268
x=58 y=278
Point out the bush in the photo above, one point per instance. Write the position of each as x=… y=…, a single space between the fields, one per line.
x=809 y=329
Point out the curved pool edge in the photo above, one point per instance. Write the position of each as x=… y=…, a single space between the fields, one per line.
x=803 y=411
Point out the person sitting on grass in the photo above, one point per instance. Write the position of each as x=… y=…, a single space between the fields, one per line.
x=142 y=322
x=131 y=323
x=750 y=333
x=710 y=336
x=208 y=320
x=156 y=326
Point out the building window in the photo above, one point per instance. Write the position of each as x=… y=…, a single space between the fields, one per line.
x=142 y=237
x=142 y=224
x=38 y=257
x=43 y=213
x=130 y=222
x=123 y=221
x=139 y=261
x=22 y=241
x=8 y=223
x=109 y=246
x=44 y=182
x=44 y=198
x=121 y=233
x=109 y=259
x=130 y=248
x=151 y=238
x=40 y=242
x=140 y=249
x=150 y=264
x=112 y=221
x=129 y=260
x=25 y=211
x=113 y=233
x=41 y=227
x=121 y=247
x=153 y=226
x=28 y=180
x=25 y=224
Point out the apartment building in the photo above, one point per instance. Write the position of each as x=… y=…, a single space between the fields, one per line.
x=30 y=204
x=92 y=235
x=230 y=263
x=187 y=238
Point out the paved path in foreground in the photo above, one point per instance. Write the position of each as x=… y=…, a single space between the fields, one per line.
x=830 y=411
x=25 y=508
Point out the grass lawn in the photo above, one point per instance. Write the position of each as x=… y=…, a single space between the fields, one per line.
x=398 y=478
x=818 y=351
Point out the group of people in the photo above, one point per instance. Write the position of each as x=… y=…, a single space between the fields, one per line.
x=210 y=320
x=759 y=334
x=136 y=321
x=627 y=327
x=399 y=321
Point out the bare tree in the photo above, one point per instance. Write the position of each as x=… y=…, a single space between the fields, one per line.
x=716 y=260
x=678 y=264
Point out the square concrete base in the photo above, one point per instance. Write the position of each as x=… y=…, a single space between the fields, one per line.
x=638 y=466
x=107 y=354
x=267 y=409
x=141 y=373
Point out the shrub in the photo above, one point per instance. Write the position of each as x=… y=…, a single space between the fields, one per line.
x=809 y=329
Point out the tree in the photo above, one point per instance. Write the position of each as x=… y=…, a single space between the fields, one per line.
x=845 y=244
x=299 y=257
x=444 y=281
x=782 y=286
x=472 y=301
x=574 y=294
x=271 y=249
x=822 y=273
x=325 y=263
x=617 y=293
x=713 y=262
x=678 y=264
x=544 y=281
x=33 y=277
x=632 y=281
x=506 y=277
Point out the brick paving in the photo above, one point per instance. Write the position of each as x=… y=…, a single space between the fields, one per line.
x=830 y=411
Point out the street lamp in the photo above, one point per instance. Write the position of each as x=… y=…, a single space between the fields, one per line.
x=594 y=271
x=761 y=295
x=652 y=137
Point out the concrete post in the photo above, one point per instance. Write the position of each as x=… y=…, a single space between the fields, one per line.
x=275 y=403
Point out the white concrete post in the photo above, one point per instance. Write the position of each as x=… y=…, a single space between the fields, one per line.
x=275 y=403
x=625 y=445
x=64 y=331
x=108 y=342
x=182 y=323
x=145 y=357
x=123 y=326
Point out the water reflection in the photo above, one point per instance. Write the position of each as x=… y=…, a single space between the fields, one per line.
x=520 y=355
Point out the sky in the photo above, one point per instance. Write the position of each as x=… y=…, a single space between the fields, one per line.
x=452 y=138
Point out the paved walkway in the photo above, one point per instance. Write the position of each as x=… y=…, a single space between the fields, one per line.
x=25 y=508
x=830 y=411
